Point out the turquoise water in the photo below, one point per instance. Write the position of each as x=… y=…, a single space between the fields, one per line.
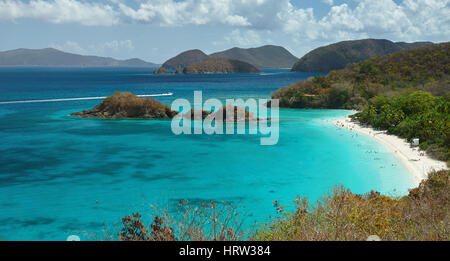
x=61 y=175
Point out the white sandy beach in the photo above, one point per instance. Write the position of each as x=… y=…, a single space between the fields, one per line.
x=416 y=161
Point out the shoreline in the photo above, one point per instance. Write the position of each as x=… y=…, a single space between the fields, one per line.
x=415 y=160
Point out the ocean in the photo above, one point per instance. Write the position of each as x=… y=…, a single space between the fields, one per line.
x=63 y=175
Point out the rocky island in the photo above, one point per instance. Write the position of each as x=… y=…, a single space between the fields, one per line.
x=220 y=65
x=125 y=105
x=268 y=56
x=196 y=114
x=185 y=59
x=237 y=117
x=161 y=70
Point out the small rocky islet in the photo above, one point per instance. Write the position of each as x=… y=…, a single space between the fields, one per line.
x=125 y=105
x=196 y=114
x=163 y=70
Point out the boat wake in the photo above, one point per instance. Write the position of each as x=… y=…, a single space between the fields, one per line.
x=81 y=99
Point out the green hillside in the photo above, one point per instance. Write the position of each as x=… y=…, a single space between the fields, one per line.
x=339 y=55
x=268 y=56
x=185 y=59
x=424 y=68
x=220 y=65
x=406 y=93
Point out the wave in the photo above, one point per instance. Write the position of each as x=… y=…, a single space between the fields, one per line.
x=81 y=99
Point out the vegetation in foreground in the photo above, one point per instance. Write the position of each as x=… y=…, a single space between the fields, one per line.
x=340 y=216
x=204 y=222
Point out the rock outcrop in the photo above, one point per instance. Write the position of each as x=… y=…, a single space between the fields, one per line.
x=237 y=117
x=161 y=70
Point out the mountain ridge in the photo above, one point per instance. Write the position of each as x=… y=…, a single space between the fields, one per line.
x=425 y=68
x=185 y=59
x=49 y=57
x=338 y=55
x=267 y=56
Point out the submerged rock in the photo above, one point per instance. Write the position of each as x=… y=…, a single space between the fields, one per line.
x=125 y=105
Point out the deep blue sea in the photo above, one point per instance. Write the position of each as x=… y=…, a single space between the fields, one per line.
x=62 y=175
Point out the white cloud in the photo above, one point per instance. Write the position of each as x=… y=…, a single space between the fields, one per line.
x=107 y=48
x=341 y=17
x=114 y=46
x=197 y=12
x=59 y=11
x=244 y=39
x=410 y=19
x=69 y=46
x=407 y=20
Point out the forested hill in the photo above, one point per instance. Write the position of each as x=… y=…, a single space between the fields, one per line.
x=425 y=68
x=220 y=65
x=185 y=59
x=338 y=55
x=268 y=56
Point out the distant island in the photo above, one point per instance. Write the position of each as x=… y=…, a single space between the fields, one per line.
x=268 y=56
x=220 y=65
x=185 y=59
x=50 y=57
x=337 y=56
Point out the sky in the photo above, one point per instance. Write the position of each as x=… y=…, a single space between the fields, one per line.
x=155 y=30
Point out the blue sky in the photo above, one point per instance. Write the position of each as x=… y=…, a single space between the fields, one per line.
x=155 y=30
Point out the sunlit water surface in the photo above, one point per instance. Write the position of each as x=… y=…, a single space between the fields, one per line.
x=61 y=175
